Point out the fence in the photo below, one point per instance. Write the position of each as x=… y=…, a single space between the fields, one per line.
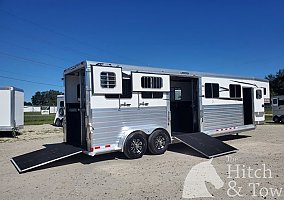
x=52 y=109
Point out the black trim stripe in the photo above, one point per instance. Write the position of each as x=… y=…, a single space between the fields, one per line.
x=245 y=83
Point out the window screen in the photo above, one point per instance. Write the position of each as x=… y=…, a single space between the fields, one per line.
x=235 y=91
x=151 y=82
x=152 y=95
x=211 y=90
x=126 y=90
x=258 y=94
x=108 y=80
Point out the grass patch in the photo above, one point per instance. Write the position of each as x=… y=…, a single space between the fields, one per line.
x=38 y=119
x=268 y=118
x=32 y=113
x=268 y=110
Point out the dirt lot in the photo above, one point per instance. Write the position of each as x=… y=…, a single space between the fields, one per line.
x=151 y=177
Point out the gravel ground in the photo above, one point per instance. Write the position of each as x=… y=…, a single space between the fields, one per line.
x=32 y=132
x=112 y=176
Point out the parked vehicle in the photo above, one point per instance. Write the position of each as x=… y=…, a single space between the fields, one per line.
x=278 y=108
x=58 y=119
x=261 y=97
x=115 y=107
x=12 y=109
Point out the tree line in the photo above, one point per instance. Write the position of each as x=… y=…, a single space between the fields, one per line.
x=45 y=98
x=276 y=83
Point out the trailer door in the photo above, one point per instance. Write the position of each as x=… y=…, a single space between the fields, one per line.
x=259 y=105
x=153 y=98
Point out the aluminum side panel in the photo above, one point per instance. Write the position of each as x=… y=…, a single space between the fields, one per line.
x=111 y=125
x=222 y=116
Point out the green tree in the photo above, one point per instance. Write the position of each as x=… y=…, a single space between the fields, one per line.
x=276 y=83
x=45 y=98
x=27 y=103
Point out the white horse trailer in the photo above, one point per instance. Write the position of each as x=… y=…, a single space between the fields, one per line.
x=261 y=97
x=115 y=107
x=58 y=119
x=11 y=108
x=278 y=108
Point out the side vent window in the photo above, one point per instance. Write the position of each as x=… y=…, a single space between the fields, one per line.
x=211 y=90
x=151 y=82
x=108 y=80
x=235 y=91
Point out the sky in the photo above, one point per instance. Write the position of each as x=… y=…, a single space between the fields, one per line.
x=39 y=39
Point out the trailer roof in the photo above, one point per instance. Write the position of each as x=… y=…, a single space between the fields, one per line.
x=11 y=88
x=144 y=69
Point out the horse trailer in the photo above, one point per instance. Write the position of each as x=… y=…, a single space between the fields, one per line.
x=278 y=109
x=114 y=107
x=261 y=97
x=58 y=119
x=12 y=109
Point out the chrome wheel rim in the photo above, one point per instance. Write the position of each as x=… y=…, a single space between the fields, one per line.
x=160 y=142
x=136 y=146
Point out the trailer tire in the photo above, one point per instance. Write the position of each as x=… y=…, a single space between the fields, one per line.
x=282 y=119
x=276 y=119
x=58 y=122
x=158 y=142
x=135 y=145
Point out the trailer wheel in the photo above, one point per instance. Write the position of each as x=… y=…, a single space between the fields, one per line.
x=158 y=142
x=276 y=119
x=282 y=119
x=135 y=145
x=58 y=122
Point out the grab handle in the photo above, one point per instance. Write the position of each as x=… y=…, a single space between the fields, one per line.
x=143 y=104
x=125 y=104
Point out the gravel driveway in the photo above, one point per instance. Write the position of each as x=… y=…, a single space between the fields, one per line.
x=112 y=176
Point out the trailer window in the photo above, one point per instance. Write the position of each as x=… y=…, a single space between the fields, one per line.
x=61 y=104
x=108 y=80
x=258 y=94
x=211 y=90
x=78 y=91
x=280 y=102
x=235 y=91
x=151 y=82
x=152 y=95
x=275 y=102
x=126 y=90
x=264 y=91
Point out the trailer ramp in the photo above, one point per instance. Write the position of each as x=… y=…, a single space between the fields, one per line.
x=51 y=153
x=205 y=144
